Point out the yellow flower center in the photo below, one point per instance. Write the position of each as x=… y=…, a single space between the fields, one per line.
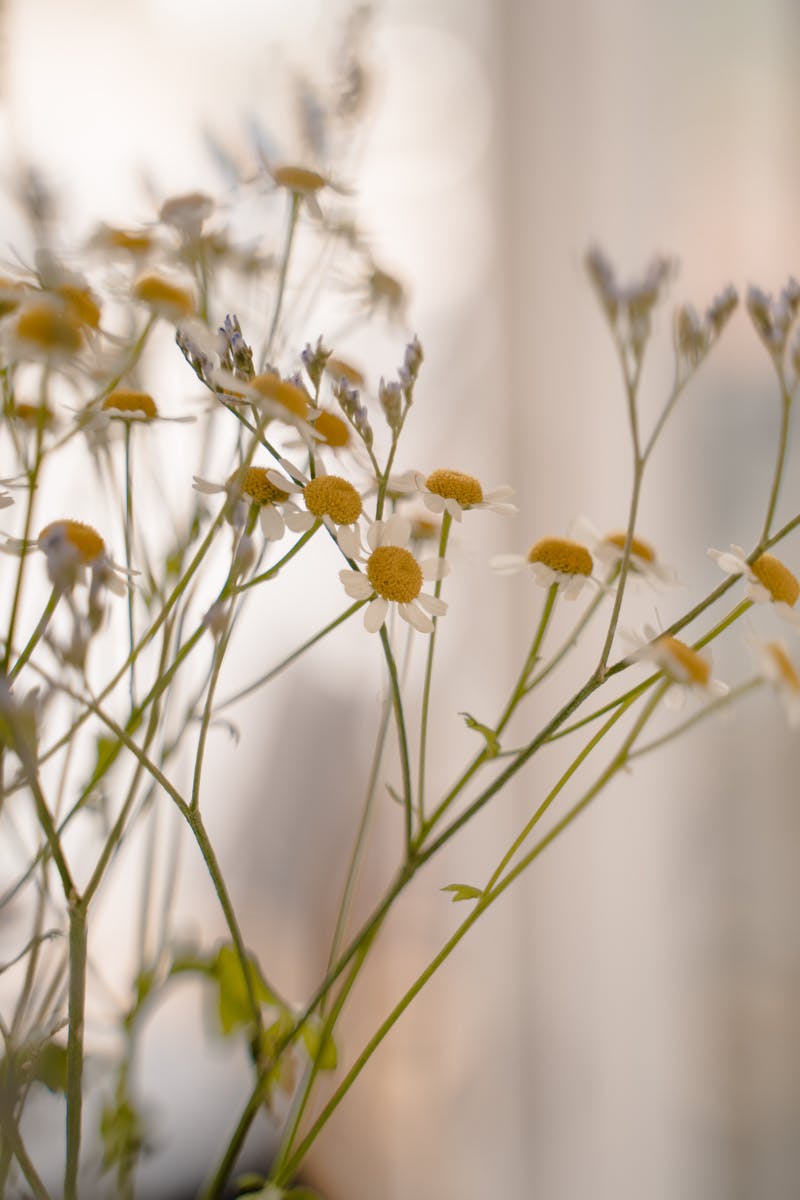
x=333 y=429
x=559 y=554
x=337 y=367
x=329 y=495
x=87 y=541
x=776 y=578
x=786 y=671
x=81 y=304
x=641 y=549
x=290 y=397
x=298 y=179
x=424 y=529
x=455 y=485
x=164 y=296
x=255 y=484
x=395 y=574
x=126 y=400
x=136 y=242
x=691 y=666
x=50 y=329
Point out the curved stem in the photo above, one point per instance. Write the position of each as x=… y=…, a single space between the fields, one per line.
x=128 y=555
x=37 y=634
x=402 y=738
x=287 y=253
x=786 y=405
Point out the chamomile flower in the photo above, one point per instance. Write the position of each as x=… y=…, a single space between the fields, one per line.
x=252 y=488
x=164 y=297
x=284 y=399
x=776 y=667
x=45 y=328
x=327 y=498
x=71 y=548
x=455 y=492
x=607 y=550
x=392 y=575
x=769 y=580
x=303 y=183
x=684 y=666
x=128 y=404
x=551 y=561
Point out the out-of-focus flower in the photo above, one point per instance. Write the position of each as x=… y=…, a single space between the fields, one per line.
x=776 y=667
x=769 y=580
x=252 y=488
x=551 y=560
x=164 y=297
x=456 y=493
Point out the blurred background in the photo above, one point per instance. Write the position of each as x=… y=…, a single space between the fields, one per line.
x=626 y=1021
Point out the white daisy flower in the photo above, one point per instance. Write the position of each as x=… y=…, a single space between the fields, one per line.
x=607 y=549
x=253 y=487
x=454 y=492
x=684 y=666
x=776 y=667
x=71 y=547
x=328 y=498
x=128 y=404
x=769 y=580
x=394 y=576
x=551 y=561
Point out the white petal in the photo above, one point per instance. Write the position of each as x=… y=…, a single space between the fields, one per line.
x=507 y=564
x=675 y=698
x=356 y=584
x=434 y=568
x=272 y=522
x=499 y=494
x=433 y=604
x=297 y=520
x=454 y=508
x=206 y=486
x=573 y=587
x=544 y=575
x=280 y=481
x=758 y=593
x=349 y=541
x=375 y=614
x=374 y=534
x=434 y=502
x=396 y=531
x=415 y=617
x=504 y=510
x=732 y=564
x=15 y=546
x=784 y=610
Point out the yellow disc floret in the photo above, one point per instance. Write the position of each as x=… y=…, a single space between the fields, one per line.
x=298 y=179
x=455 y=485
x=281 y=392
x=776 y=578
x=641 y=549
x=395 y=574
x=332 y=429
x=562 y=555
x=50 y=328
x=331 y=496
x=338 y=367
x=163 y=296
x=681 y=663
x=255 y=484
x=83 y=538
x=81 y=303
x=129 y=401
x=787 y=675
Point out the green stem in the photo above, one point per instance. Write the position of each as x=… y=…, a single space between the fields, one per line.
x=402 y=738
x=426 y=688
x=128 y=555
x=786 y=405
x=77 y=1000
x=706 y=711
x=37 y=634
x=530 y=662
x=571 y=641
x=273 y=571
x=12 y=1136
x=33 y=482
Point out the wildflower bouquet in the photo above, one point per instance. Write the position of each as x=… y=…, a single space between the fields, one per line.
x=117 y=627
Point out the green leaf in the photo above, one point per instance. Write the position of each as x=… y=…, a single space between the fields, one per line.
x=234 y=1002
x=492 y=748
x=50 y=1067
x=325 y=1056
x=463 y=891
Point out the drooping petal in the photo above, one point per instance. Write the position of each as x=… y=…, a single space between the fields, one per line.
x=349 y=541
x=433 y=604
x=206 y=486
x=416 y=618
x=396 y=531
x=272 y=522
x=298 y=520
x=282 y=482
x=375 y=614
